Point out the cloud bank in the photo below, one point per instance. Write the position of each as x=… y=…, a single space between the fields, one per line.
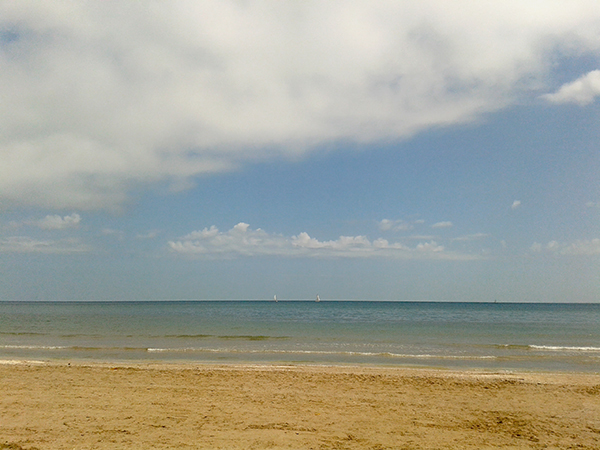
x=241 y=240
x=98 y=98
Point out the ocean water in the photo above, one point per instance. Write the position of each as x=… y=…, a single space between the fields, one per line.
x=503 y=336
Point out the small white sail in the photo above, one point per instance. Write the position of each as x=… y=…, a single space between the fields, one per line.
x=275 y=298
x=318 y=298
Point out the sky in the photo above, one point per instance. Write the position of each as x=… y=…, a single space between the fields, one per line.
x=432 y=150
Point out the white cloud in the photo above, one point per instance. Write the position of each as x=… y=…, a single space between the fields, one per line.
x=55 y=222
x=581 y=91
x=430 y=247
x=422 y=237
x=516 y=204
x=241 y=240
x=583 y=247
x=395 y=225
x=471 y=237
x=580 y=247
x=442 y=225
x=101 y=97
x=24 y=244
x=536 y=247
x=386 y=225
x=152 y=234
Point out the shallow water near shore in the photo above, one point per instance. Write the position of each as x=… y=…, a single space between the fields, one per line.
x=498 y=336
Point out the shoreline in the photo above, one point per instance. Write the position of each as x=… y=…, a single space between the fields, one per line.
x=476 y=373
x=51 y=405
x=244 y=363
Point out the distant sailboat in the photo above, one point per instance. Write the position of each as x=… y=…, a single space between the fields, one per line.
x=318 y=298
x=275 y=298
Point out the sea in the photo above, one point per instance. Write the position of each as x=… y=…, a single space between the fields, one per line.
x=453 y=335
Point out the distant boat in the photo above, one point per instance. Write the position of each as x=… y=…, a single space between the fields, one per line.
x=275 y=298
x=318 y=299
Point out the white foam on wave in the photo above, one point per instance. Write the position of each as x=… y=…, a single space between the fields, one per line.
x=33 y=347
x=317 y=352
x=553 y=348
x=15 y=362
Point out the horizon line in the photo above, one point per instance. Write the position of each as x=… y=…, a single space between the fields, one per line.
x=308 y=300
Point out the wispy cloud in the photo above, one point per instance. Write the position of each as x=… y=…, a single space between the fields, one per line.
x=55 y=222
x=579 y=247
x=471 y=237
x=24 y=244
x=192 y=87
x=582 y=91
x=583 y=247
x=119 y=234
x=241 y=240
x=516 y=204
x=422 y=237
x=152 y=234
x=442 y=225
x=395 y=225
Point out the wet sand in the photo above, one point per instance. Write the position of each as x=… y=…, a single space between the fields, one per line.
x=56 y=406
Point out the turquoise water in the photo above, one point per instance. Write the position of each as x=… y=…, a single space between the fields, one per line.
x=502 y=336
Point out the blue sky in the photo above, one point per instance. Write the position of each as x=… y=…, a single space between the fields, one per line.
x=223 y=150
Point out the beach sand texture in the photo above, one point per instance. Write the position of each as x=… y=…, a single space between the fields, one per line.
x=56 y=406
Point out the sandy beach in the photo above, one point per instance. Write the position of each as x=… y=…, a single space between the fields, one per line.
x=78 y=406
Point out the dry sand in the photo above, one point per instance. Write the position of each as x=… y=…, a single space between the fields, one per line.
x=55 y=406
